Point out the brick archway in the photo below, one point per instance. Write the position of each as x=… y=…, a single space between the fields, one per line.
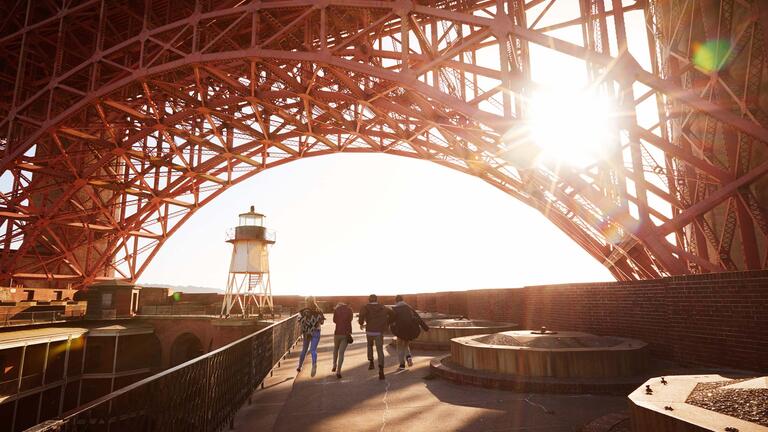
x=185 y=347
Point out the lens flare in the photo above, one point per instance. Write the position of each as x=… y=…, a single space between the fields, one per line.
x=612 y=232
x=712 y=55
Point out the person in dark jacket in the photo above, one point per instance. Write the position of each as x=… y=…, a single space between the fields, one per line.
x=311 y=318
x=342 y=316
x=406 y=324
x=375 y=318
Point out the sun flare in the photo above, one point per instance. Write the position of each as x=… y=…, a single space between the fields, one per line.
x=572 y=128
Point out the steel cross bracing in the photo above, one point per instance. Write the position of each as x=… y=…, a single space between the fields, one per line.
x=121 y=118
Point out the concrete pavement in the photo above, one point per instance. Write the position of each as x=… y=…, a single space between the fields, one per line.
x=409 y=400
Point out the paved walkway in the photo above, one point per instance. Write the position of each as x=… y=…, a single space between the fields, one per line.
x=409 y=400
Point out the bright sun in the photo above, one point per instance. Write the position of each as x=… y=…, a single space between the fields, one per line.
x=573 y=128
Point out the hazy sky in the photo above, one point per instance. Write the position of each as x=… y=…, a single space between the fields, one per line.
x=356 y=224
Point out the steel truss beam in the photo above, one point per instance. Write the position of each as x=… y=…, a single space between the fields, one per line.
x=120 y=119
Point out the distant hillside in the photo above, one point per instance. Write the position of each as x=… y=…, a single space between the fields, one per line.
x=184 y=288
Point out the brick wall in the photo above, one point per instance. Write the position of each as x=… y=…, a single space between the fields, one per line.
x=713 y=319
x=212 y=334
x=355 y=302
x=152 y=296
x=199 y=298
x=18 y=294
x=716 y=319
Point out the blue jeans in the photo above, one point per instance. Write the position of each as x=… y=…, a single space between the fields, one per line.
x=310 y=342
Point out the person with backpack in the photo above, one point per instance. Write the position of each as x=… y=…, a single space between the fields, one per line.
x=342 y=336
x=374 y=318
x=310 y=320
x=405 y=325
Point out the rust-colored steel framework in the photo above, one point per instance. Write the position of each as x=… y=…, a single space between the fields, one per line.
x=120 y=118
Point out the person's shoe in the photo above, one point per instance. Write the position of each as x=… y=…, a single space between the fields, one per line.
x=409 y=360
x=370 y=364
x=298 y=369
x=333 y=369
x=381 y=372
x=402 y=366
x=338 y=375
x=314 y=369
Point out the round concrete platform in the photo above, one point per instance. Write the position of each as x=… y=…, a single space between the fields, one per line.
x=441 y=331
x=443 y=367
x=426 y=346
x=564 y=354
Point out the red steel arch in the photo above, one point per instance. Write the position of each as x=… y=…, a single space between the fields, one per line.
x=120 y=119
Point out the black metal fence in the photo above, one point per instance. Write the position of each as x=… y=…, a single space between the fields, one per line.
x=213 y=310
x=203 y=394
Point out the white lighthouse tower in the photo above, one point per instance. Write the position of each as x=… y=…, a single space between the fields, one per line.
x=248 y=283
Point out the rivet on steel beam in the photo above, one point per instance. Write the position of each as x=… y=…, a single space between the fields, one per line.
x=648 y=389
x=669 y=408
x=663 y=381
x=731 y=429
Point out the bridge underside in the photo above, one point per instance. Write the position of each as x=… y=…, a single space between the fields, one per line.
x=120 y=119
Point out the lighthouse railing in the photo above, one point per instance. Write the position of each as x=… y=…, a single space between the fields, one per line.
x=269 y=235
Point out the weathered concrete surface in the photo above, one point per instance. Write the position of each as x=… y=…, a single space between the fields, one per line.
x=666 y=407
x=564 y=354
x=407 y=400
x=443 y=330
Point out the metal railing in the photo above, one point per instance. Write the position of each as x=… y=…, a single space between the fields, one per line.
x=26 y=318
x=209 y=310
x=269 y=235
x=203 y=394
x=181 y=309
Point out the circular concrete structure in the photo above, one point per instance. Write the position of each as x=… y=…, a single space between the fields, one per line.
x=429 y=316
x=527 y=360
x=441 y=331
x=551 y=354
x=683 y=403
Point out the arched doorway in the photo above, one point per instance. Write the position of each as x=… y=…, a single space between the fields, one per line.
x=185 y=347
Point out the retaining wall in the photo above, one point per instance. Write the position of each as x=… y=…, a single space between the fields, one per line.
x=718 y=319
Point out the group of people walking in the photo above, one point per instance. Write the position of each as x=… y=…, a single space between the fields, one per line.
x=374 y=318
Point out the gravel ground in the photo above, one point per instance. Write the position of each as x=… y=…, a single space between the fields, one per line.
x=498 y=339
x=746 y=404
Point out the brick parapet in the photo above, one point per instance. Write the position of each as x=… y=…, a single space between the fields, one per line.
x=695 y=320
x=711 y=319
